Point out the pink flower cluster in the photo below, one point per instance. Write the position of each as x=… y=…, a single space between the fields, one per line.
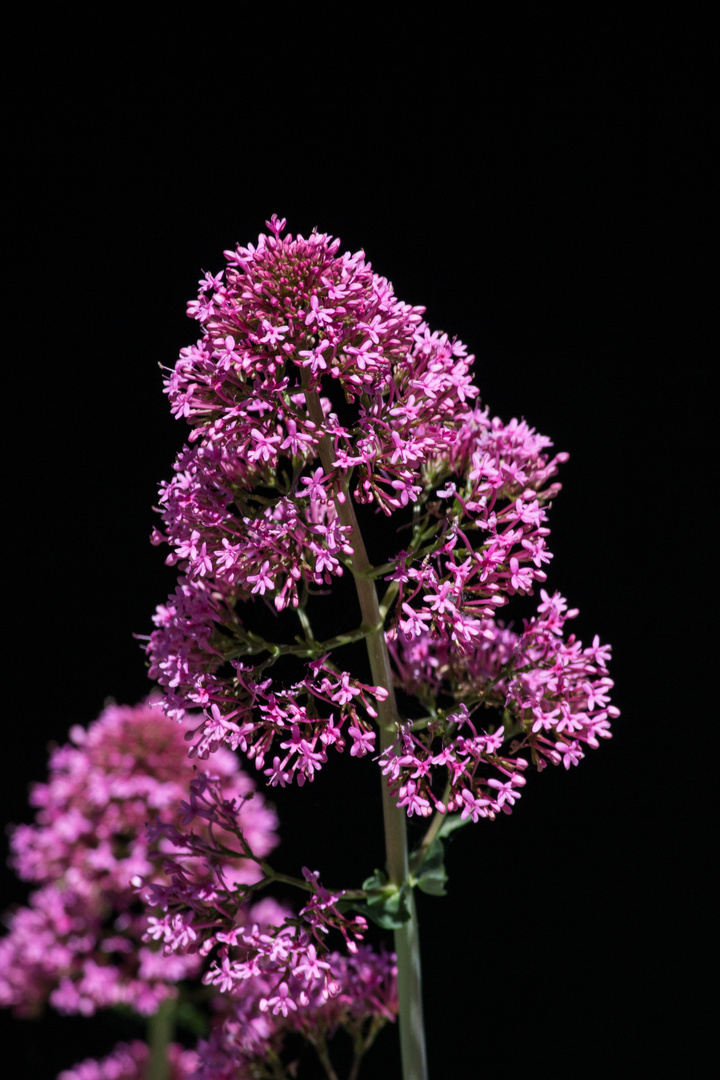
x=268 y=942
x=260 y=1018
x=313 y=386
x=274 y=980
x=124 y=806
x=128 y=1061
x=252 y=512
x=255 y=1024
x=273 y=970
x=79 y=942
x=552 y=695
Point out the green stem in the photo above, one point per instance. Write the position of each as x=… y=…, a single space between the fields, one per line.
x=160 y=1029
x=407 y=942
x=322 y=1052
x=253 y=644
x=275 y=875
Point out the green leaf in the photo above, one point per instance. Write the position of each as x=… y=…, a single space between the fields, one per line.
x=451 y=823
x=377 y=881
x=432 y=876
x=386 y=904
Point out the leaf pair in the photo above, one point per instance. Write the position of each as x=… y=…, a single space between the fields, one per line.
x=386 y=904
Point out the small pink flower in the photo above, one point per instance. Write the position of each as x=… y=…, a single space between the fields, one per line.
x=363 y=741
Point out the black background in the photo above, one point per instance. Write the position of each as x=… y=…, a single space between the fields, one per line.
x=537 y=186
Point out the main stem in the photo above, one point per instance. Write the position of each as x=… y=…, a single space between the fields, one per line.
x=407 y=940
x=160 y=1035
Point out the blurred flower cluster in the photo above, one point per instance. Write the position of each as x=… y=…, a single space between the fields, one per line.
x=111 y=816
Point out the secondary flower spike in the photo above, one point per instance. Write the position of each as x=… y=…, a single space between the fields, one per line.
x=124 y=813
x=313 y=389
x=79 y=942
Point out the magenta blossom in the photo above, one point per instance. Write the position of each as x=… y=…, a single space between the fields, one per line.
x=252 y=1028
x=313 y=390
x=207 y=913
x=124 y=804
x=129 y=1061
x=79 y=943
